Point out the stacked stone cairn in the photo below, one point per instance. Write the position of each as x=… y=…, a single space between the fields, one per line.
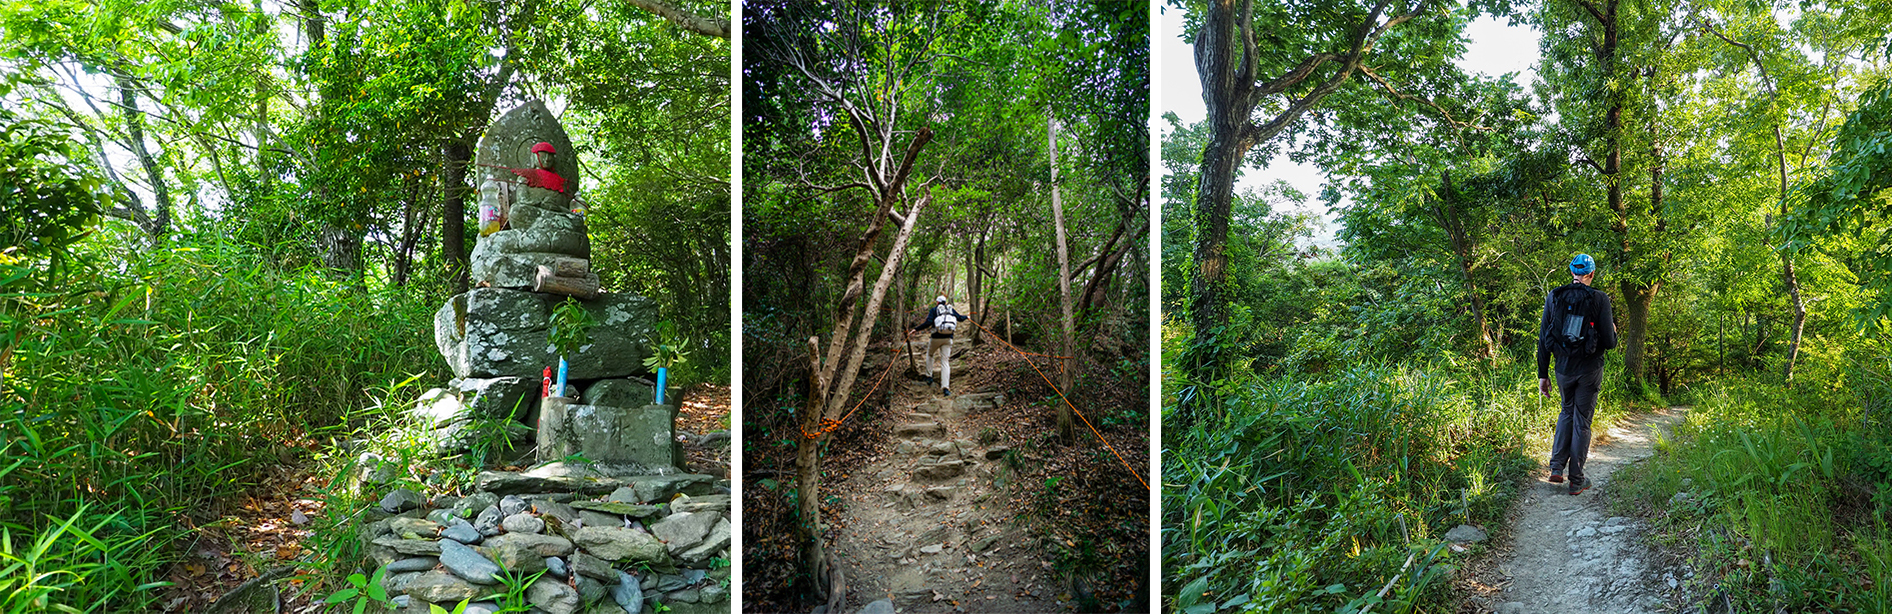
x=606 y=514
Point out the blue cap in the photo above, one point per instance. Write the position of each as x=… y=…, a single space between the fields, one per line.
x=1583 y=264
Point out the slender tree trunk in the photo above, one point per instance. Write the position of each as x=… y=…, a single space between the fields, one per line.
x=1787 y=274
x=1067 y=430
x=458 y=152
x=160 y=219
x=808 y=462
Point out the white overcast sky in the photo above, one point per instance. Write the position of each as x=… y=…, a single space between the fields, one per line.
x=1495 y=48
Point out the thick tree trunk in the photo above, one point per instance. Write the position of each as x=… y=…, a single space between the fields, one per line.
x=1633 y=326
x=1446 y=209
x=1067 y=430
x=1787 y=274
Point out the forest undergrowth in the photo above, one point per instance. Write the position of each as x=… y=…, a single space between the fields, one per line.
x=146 y=390
x=1331 y=491
x=1778 y=495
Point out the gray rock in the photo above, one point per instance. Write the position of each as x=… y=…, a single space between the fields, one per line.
x=441 y=587
x=563 y=512
x=410 y=547
x=877 y=607
x=396 y=583
x=463 y=532
x=553 y=597
x=1586 y=532
x=401 y=500
x=627 y=392
x=628 y=593
x=664 y=583
x=419 y=563
x=1465 y=533
x=543 y=545
x=401 y=601
x=600 y=519
x=940 y=471
x=471 y=505
x=466 y=563
x=594 y=567
x=498 y=398
x=488 y=521
x=618 y=544
x=440 y=516
x=718 y=504
x=684 y=530
x=511 y=504
x=482 y=607
x=640 y=436
x=516 y=271
x=564 y=477
x=932 y=549
x=634 y=510
x=440 y=406
x=715 y=542
x=494 y=332
x=515 y=557
x=413 y=528
x=481 y=433
x=688 y=595
x=523 y=523
x=556 y=566
x=660 y=488
x=590 y=590
x=714 y=438
x=714 y=592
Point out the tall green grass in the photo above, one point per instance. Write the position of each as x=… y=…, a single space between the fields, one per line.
x=1313 y=495
x=141 y=385
x=1779 y=495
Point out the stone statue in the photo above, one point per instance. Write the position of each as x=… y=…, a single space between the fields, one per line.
x=535 y=239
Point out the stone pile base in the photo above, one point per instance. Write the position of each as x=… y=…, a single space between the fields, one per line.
x=610 y=542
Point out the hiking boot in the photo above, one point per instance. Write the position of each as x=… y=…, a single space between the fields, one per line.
x=1578 y=485
x=929 y=379
x=1557 y=477
x=946 y=391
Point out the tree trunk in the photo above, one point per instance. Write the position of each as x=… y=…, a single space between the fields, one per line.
x=1634 y=326
x=160 y=219
x=1067 y=430
x=458 y=151
x=808 y=462
x=1446 y=209
x=1787 y=274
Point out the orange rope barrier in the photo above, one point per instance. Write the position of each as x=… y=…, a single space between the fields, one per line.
x=1067 y=403
x=829 y=426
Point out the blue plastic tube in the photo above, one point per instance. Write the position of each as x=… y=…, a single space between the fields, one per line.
x=660 y=385
x=561 y=376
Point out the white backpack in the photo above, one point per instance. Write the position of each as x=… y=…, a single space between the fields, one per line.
x=946 y=321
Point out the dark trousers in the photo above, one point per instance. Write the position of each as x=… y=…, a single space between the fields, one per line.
x=1571 y=446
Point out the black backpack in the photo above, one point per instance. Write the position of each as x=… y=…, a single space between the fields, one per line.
x=1571 y=330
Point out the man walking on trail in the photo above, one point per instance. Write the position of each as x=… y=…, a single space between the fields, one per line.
x=943 y=319
x=1577 y=327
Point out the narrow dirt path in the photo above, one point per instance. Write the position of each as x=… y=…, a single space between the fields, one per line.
x=1568 y=555
x=925 y=526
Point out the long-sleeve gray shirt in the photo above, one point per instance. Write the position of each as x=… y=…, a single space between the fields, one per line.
x=1571 y=365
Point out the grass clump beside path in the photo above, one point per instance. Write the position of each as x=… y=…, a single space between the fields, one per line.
x=1313 y=493
x=1777 y=497
x=144 y=387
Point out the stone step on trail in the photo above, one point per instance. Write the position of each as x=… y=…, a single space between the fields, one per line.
x=919 y=429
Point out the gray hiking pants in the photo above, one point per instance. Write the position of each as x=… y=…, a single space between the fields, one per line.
x=1571 y=445
x=944 y=349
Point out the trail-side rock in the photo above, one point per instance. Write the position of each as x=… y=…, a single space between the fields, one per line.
x=543 y=545
x=628 y=593
x=523 y=523
x=440 y=586
x=410 y=547
x=920 y=429
x=718 y=504
x=401 y=500
x=683 y=530
x=594 y=567
x=940 y=471
x=1465 y=533
x=553 y=597
x=466 y=563
x=715 y=542
x=515 y=556
x=419 y=563
x=618 y=544
x=463 y=532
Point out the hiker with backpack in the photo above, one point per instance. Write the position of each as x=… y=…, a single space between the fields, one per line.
x=943 y=319
x=1577 y=328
